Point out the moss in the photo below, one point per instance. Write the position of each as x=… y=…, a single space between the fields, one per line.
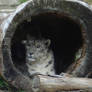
x=22 y=1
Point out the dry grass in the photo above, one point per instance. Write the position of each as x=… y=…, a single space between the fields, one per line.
x=88 y=1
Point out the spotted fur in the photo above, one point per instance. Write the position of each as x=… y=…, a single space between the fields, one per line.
x=39 y=58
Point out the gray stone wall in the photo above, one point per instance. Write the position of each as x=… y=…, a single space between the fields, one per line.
x=8 y=2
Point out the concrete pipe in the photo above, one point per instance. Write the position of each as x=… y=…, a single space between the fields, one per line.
x=67 y=23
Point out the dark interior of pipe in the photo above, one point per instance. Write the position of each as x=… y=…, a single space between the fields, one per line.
x=65 y=35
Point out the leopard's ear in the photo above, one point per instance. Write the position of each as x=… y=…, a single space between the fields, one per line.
x=24 y=42
x=48 y=42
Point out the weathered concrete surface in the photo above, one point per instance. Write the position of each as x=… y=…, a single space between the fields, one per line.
x=8 y=2
x=5 y=11
x=4 y=91
x=8 y=6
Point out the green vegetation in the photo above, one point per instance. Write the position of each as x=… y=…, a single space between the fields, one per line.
x=5 y=86
x=22 y=1
x=88 y=1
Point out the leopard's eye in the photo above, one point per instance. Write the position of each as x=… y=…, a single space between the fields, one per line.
x=28 y=44
x=38 y=46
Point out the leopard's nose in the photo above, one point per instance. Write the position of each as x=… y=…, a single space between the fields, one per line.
x=30 y=54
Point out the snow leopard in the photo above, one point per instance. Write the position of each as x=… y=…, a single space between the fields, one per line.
x=39 y=56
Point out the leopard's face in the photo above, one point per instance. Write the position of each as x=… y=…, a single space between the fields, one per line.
x=36 y=49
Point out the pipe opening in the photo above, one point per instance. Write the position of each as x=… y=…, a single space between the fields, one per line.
x=66 y=35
